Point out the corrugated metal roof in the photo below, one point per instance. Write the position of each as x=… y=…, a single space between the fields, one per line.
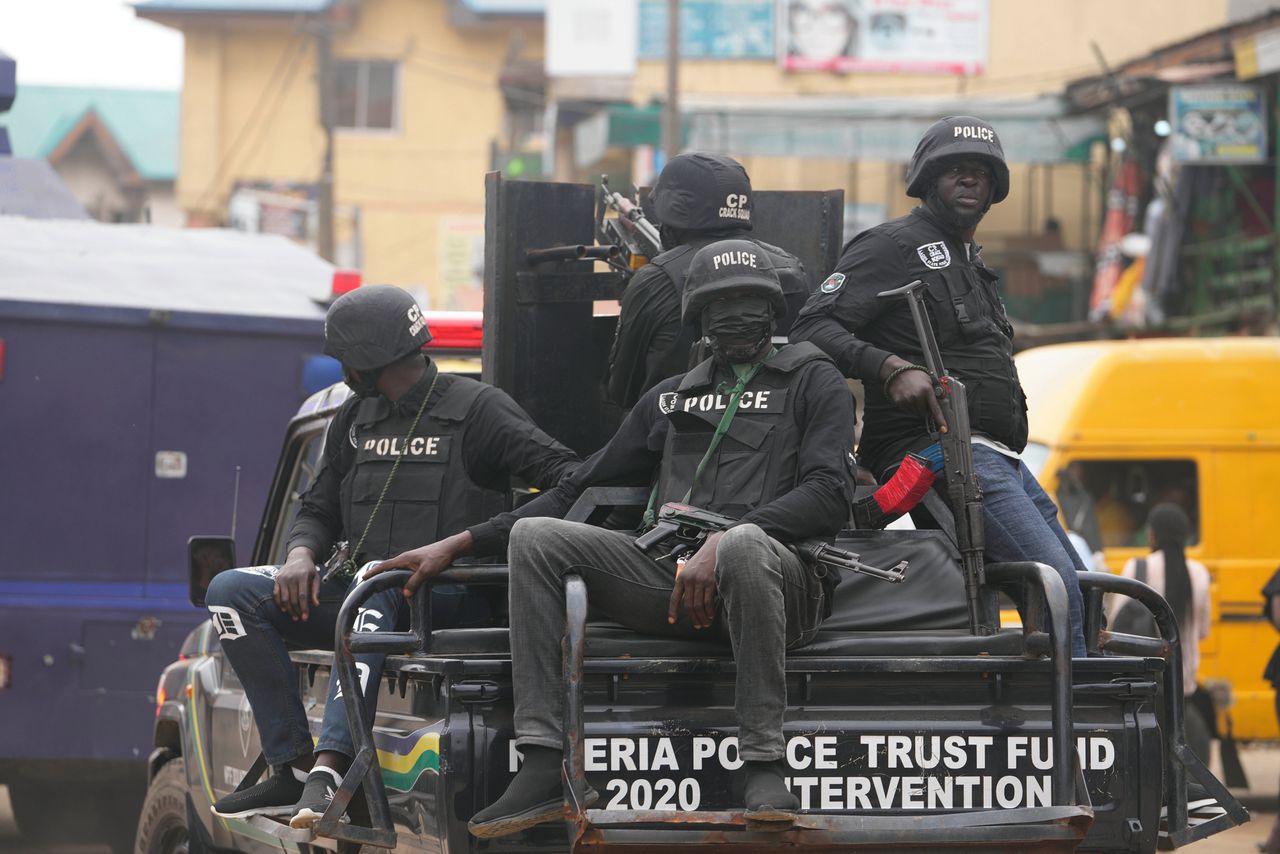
x=225 y=7
x=208 y=271
x=143 y=122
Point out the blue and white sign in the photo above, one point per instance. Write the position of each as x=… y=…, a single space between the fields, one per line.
x=710 y=29
x=1218 y=123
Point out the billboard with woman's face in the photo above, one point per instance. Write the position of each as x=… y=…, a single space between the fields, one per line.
x=945 y=36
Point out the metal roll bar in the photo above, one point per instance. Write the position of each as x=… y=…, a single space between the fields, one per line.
x=1179 y=760
x=347 y=643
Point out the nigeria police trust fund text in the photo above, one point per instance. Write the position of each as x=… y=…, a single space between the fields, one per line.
x=846 y=772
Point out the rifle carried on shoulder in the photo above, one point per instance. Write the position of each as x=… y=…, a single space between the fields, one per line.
x=963 y=492
x=630 y=230
x=685 y=528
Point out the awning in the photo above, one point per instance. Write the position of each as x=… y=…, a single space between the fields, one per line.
x=1032 y=130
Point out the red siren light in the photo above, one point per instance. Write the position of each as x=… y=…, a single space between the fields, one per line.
x=454 y=330
x=344 y=282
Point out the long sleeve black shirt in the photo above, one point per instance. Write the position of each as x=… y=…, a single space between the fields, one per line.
x=500 y=442
x=818 y=506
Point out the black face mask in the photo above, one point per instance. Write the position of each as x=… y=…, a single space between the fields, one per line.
x=362 y=383
x=738 y=327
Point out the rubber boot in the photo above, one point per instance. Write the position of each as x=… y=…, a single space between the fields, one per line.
x=535 y=796
x=766 y=793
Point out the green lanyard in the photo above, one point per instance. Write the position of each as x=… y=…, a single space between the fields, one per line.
x=745 y=374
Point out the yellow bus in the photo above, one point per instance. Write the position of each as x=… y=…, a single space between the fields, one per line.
x=1119 y=426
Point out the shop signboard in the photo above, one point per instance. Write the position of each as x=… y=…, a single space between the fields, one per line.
x=1218 y=123
x=710 y=29
x=930 y=36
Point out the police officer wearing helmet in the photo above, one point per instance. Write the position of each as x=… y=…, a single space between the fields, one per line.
x=754 y=432
x=413 y=456
x=959 y=171
x=697 y=200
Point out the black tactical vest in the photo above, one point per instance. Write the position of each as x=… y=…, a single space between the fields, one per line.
x=676 y=262
x=974 y=335
x=757 y=459
x=431 y=496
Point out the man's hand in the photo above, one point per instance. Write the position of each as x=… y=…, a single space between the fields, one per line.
x=427 y=561
x=696 y=586
x=912 y=391
x=297 y=588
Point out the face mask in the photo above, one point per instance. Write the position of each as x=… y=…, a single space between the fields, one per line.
x=738 y=327
x=362 y=383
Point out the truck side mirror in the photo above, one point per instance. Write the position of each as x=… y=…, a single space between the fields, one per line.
x=206 y=557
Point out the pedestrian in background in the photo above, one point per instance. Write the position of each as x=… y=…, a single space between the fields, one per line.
x=1184 y=583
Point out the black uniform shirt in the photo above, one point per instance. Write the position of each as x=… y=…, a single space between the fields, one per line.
x=818 y=506
x=968 y=317
x=501 y=441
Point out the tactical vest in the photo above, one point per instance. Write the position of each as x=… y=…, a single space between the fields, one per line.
x=757 y=458
x=676 y=262
x=432 y=496
x=974 y=335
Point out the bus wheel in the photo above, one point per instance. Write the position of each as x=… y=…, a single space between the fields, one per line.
x=162 y=828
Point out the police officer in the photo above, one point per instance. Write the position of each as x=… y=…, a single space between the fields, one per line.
x=959 y=172
x=698 y=199
x=413 y=456
x=754 y=432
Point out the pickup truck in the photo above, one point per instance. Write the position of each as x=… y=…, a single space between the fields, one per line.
x=907 y=728
x=903 y=728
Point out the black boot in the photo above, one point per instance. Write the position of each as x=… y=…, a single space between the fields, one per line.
x=535 y=796
x=766 y=793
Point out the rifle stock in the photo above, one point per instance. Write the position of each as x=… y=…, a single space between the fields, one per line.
x=630 y=231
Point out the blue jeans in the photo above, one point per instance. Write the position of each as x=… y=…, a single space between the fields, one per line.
x=1021 y=523
x=256 y=636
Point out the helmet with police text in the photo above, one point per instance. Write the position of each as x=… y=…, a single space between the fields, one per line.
x=701 y=192
x=957 y=138
x=730 y=268
x=373 y=326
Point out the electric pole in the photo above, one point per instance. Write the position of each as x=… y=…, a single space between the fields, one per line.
x=324 y=187
x=671 y=135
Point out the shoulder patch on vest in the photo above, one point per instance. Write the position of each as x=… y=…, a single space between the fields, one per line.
x=935 y=255
x=667 y=402
x=833 y=283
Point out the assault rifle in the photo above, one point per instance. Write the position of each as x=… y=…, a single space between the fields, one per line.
x=963 y=493
x=636 y=238
x=689 y=526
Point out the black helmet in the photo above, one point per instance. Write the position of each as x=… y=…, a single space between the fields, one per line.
x=701 y=192
x=372 y=326
x=730 y=268
x=957 y=137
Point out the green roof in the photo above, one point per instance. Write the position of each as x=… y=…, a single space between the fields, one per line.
x=143 y=122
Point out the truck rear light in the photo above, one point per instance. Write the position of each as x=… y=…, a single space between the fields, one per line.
x=6 y=671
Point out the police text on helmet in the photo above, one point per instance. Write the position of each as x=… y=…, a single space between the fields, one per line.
x=974 y=132
x=736 y=258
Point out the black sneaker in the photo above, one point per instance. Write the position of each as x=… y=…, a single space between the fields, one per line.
x=275 y=795
x=766 y=794
x=317 y=794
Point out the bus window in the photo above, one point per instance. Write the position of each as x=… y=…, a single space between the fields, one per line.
x=1107 y=501
x=304 y=471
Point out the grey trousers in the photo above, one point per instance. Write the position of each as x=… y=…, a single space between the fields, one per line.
x=768 y=601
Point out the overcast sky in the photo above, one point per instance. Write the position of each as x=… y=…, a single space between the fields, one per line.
x=89 y=43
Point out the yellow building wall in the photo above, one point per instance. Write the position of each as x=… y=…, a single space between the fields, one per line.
x=1034 y=47
x=250 y=112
